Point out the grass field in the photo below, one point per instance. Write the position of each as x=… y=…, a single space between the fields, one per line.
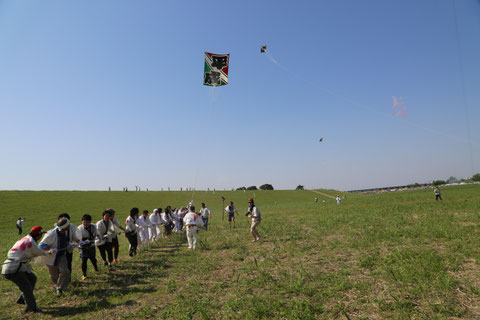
x=381 y=256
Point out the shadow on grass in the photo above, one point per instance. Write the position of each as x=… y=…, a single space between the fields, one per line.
x=89 y=307
x=130 y=276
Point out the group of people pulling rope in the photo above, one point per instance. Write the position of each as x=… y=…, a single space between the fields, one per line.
x=55 y=247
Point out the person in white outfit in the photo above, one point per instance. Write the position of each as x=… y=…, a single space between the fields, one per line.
x=191 y=221
x=154 y=227
x=143 y=224
x=338 y=199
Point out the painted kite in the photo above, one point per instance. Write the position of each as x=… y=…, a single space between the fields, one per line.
x=216 y=69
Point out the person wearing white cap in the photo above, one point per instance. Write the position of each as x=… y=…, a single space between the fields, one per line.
x=155 y=230
x=56 y=240
x=191 y=222
x=18 y=270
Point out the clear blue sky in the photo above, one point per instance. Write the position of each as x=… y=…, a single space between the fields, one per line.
x=109 y=93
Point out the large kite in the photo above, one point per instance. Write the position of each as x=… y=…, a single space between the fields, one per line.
x=216 y=69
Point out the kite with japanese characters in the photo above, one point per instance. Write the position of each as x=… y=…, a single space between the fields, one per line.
x=216 y=69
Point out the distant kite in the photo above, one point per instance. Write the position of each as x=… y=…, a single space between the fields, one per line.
x=263 y=49
x=321 y=139
x=399 y=107
x=216 y=69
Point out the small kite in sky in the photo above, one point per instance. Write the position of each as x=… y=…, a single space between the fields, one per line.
x=321 y=139
x=216 y=69
x=399 y=107
x=263 y=49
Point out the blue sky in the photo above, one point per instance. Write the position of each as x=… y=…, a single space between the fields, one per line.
x=109 y=93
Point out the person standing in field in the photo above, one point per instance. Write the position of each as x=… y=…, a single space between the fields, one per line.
x=18 y=269
x=56 y=240
x=73 y=236
x=88 y=250
x=338 y=199
x=191 y=221
x=205 y=213
x=437 y=194
x=231 y=210
x=131 y=231
x=254 y=214
x=20 y=221
x=115 y=243
x=105 y=232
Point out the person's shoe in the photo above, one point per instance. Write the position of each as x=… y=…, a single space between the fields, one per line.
x=105 y=263
x=83 y=278
x=37 y=310
x=254 y=240
x=59 y=293
x=115 y=261
x=257 y=239
x=110 y=267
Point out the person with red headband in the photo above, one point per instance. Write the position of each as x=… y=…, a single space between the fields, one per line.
x=18 y=269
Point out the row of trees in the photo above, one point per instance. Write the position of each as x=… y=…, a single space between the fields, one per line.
x=265 y=186
x=474 y=178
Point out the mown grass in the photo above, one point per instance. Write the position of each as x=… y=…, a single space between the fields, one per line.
x=382 y=256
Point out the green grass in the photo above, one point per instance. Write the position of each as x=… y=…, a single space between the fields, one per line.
x=381 y=256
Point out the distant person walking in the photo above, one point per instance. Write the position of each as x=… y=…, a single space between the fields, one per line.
x=437 y=194
x=254 y=214
x=19 y=225
x=231 y=210
x=338 y=199
x=205 y=213
x=18 y=270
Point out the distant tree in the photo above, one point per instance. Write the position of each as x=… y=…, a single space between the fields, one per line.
x=300 y=187
x=241 y=188
x=438 y=182
x=266 y=186
x=452 y=180
x=252 y=188
x=416 y=185
x=476 y=177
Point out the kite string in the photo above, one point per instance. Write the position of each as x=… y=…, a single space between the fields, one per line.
x=365 y=107
x=202 y=152
x=462 y=84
